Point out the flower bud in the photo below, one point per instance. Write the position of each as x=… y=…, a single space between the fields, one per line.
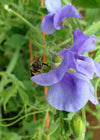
x=78 y=127
x=56 y=61
x=6 y=7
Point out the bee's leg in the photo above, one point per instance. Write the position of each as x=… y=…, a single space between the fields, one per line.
x=44 y=70
x=45 y=64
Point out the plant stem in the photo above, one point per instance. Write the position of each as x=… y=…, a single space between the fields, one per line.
x=83 y=116
x=23 y=19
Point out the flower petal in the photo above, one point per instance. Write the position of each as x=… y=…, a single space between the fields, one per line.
x=52 y=5
x=83 y=43
x=47 y=24
x=97 y=68
x=70 y=94
x=54 y=76
x=66 y=11
x=85 y=65
x=92 y=97
x=62 y=53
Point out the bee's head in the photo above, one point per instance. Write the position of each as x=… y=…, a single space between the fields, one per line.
x=39 y=64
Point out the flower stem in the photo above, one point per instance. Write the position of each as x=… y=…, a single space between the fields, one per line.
x=23 y=19
x=61 y=123
x=83 y=116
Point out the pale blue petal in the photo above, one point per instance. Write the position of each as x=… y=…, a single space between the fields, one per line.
x=70 y=94
x=92 y=97
x=62 y=53
x=52 y=5
x=83 y=43
x=85 y=65
x=66 y=11
x=97 y=68
x=47 y=24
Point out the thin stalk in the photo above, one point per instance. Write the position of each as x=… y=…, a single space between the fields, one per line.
x=24 y=20
x=84 y=116
x=10 y=124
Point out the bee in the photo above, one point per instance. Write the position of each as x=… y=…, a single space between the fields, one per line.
x=36 y=67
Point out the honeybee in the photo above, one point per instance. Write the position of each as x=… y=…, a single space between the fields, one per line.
x=36 y=67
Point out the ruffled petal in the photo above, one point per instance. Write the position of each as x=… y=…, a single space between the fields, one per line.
x=85 y=65
x=83 y=43
x=54 y=76
x=97 y=68
x=66 y=11
x=62 y=53
x=72 y=61
x=92 y=97
x=47 y=24
x=52 y=5
x=70 y=94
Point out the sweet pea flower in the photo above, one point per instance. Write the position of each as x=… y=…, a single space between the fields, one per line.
x=70 y=91
x=83 y=43
x=56 y=15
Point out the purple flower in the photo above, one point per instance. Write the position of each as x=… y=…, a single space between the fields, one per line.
x=70 y=91
x=83 y=43
x=56 y=15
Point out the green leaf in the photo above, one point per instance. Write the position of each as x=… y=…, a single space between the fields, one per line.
x=92 y=15
x=86 y=3
x=43 y=10
x=13 y=136
x=89 y=135
x=97 y=56
x=4 y=82
x=29 y=127
x=34 y=4
x=4 y=2
x=10 y=91
x=93 y=29
x=23 y=96
x=98 y=1
x=65 y=2
x=16 y=40
x=2 y=37
x=13 y=61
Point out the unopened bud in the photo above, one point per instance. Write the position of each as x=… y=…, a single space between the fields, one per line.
x=78 y=127
x=56 y=61
x=6 y=7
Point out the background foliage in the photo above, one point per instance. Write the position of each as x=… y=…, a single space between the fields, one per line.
x=18 y=96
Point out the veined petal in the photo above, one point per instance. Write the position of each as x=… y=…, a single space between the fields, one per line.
x=97 y=68
x=85 y=65
x=54 y=76
x=66 y=11
x=52 y=5
x=47 y=24
x=83 y=43
x=70 y=94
